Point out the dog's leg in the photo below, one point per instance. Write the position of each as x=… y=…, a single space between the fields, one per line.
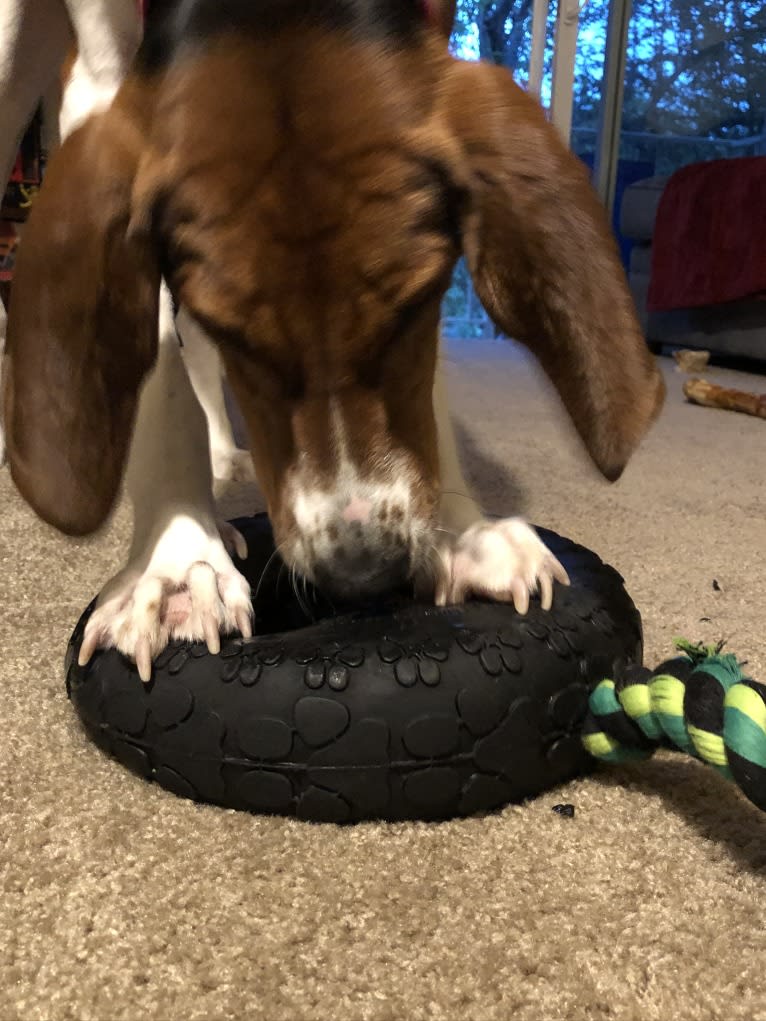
x=206 y=373
x=458 y=508
x=108 y=35
x=33 y=43
x=503 y=560
x=180 y=581
x=34 y=38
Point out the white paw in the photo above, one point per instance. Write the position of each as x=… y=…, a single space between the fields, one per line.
x=233 y=465
x=502 y=560
x=189 y=590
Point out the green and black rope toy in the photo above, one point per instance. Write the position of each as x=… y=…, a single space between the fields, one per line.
x=700 y=703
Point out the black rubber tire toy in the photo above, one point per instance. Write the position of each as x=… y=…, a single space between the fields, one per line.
x=398 y=711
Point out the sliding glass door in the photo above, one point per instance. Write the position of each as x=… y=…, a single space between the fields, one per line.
x=501 y=31
x=695 y=82
x=655 y=85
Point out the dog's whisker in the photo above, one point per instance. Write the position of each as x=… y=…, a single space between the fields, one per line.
x=296 y=589
x=266 y=567
x=309 y=594
x=456 y=492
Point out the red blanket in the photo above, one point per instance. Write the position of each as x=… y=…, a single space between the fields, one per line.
x=709 y=243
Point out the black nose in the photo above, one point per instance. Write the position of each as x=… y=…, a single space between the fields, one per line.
x=362 y=574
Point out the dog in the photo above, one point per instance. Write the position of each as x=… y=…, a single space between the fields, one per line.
x=304 y=176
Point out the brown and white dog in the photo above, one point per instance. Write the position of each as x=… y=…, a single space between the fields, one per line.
x=304 y=176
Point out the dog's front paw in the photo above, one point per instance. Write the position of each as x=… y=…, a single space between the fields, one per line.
x=503 y=560
x=232 y=464
x=189 y=590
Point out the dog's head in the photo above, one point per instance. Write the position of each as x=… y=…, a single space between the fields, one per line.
x=306 y=191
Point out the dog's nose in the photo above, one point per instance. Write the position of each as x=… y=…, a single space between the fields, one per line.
x=362 y=573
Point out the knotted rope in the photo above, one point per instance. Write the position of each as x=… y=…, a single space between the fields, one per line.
x=700 y=703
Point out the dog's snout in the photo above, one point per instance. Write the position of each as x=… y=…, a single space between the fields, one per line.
x=362 y=573
x=361 y=561
x=358 y=542
x=357 y=510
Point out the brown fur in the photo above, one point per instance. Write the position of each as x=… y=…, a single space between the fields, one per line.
x=336 y=255
x=546 y=266
x=309 y=200
x=82 y=329
x=68 y=66
x=441 y=13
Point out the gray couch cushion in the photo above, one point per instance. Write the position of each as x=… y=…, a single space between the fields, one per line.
x=736 y=328
x=641 y=259
x=639 y=208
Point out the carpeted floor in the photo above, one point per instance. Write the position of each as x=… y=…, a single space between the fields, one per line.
x=120 y=901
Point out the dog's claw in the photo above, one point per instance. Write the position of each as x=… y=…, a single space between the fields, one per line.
x=89 y=645
x=212 y=634
x=233 y=539
x=546 y=591
x=190 y=591
x=520 y=596
x=244 y=624
x=144 y=659
x=502 y=560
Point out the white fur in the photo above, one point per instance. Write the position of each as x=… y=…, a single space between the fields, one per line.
x=313 y=509
x=205 y=368
x=392 y=484
x=503 y=560
x=108 y=33
x=353 y=497
x=180 y=581
x=458 y=508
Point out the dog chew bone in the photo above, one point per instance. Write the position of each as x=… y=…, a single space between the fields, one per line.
x=699 y=391
x=691 y=361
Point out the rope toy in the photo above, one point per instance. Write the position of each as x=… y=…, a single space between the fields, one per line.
x=700 y=703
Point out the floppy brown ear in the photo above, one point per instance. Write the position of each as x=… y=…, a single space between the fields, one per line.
x=441 y=13
x=545 y=264
x=82 y=329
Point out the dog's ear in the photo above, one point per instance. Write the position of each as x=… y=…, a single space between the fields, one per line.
x=441 y=14
x=82 y=329
x=545 y=264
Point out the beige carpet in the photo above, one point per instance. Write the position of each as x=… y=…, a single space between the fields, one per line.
x=120 y=901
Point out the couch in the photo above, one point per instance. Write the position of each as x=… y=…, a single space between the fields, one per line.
x=735 y=328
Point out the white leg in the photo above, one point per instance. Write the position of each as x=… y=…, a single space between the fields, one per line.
x=206 y=373
x=108 y=35
x=458 y=508
x=180 y=581
x=34 y=36
x=503 y=560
